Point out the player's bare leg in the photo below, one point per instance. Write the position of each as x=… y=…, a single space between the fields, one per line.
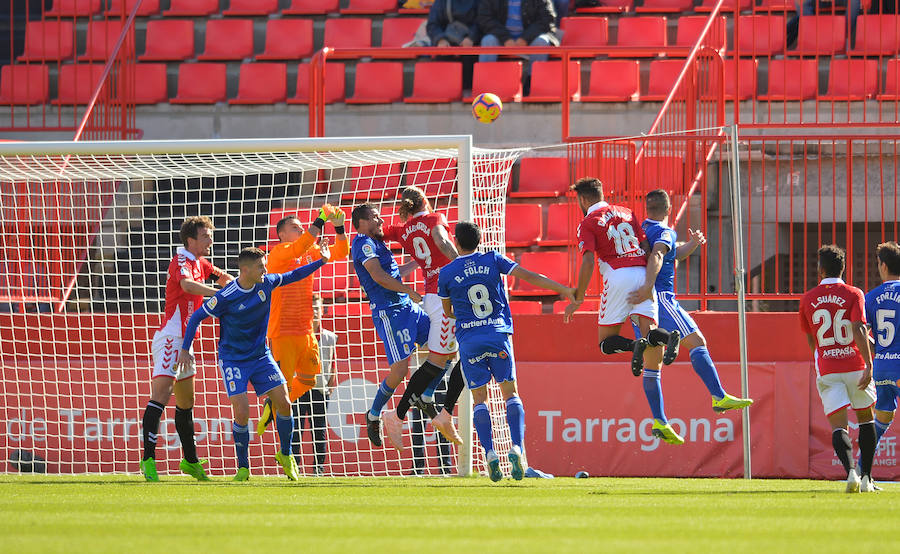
x=695 y=343
x=843 y=447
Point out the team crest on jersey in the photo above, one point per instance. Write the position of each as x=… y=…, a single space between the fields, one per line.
x=503 y=355
x=211 y=303
x=261 y=295
x=368 y=251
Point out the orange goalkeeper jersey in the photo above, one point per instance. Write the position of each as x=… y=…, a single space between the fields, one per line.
x=291 y=309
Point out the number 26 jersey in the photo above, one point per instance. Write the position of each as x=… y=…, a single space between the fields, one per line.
x=827 y=313
x=614 y=235
x=474 y=285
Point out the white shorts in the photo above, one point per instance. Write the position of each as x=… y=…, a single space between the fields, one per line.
x=442 y=334
x=165 y=349
x=839 y=390
x=617 y=285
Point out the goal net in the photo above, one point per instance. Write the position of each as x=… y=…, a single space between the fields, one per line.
x=88 y=231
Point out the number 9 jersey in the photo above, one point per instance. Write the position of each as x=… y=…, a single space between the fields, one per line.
x=415 y=236
x=826 y=313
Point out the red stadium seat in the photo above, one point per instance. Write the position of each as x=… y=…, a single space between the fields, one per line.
x=334 y=84
x=562 y=220
x=663 y=74
x=850 y=79
x=690 y=27
x=288 y=39
x=586 y=306
x=665 y=6
x=642 y=32
x=397 y=31
x=501 y=78
x=727 y=5
x=740 y=78
x=554 y=265
x=661 y=172
x=348 y=32
x=525 y=307
x=148 y=7
x=547 y=81
x=792 y=80
x=370 y=7
x=150 y=83
x=251 y=7
x=761 y=35
x=585 y=31
x=436 y=82
x=437 y=177
x=77 y=83
x=891 y=81
x=73 y=8
x=48 y=40
x=542 y=178
x=609 y=6
x=261 y=83
x=614 y=81
x=101 y=40
x=200 y=83
x=523 y=224
x=312 y=7
x=228 y=39
x=877 y=35
x=776 y=6
x=821 y=35
x=378 y=83
x=24 y=84
x=169 y=40
x=192 y=8
x=372 y=182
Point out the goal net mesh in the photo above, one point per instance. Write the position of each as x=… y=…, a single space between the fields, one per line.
x=85 y=245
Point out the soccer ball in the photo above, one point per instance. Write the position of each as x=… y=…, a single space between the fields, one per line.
x=487 y=107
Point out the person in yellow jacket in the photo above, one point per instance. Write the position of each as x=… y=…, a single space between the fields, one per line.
x=290 y=333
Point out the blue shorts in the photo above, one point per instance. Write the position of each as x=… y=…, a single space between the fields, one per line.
x=400 y=329
x=487 y=356
x=262 y=372
x=672 y=316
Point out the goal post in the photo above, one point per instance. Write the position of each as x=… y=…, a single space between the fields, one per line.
x=88 y=231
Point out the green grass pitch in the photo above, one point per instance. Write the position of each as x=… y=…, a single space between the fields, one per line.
x=445 y=516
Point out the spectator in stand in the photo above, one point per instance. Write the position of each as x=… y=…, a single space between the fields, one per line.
x=517 y=23
x=453 y=23
x=817 y=7
x=562 y=10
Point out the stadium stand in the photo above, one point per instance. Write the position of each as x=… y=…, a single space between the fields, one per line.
x=48 y=40
x=377 y=83
x=228 y=39
x=614 y=81
x=288 y=39
x=251 y=7
x=547 y=82
x=261 y=83
x=191 y=8
x=523 y=225
x=312 y=7
x=761 y=35
x=77 y=82
x=334 y=84
x=348 y=32
x=150 y=83
x=397 y=31
x=501 y=78
x=792 y=79
x=646 y=31
x=201 y=83
x=585 y=31
x=436 y=83
x=24 y=84
x=542 y=178
x=147 y=8
x=73 y=8
x=169 y=40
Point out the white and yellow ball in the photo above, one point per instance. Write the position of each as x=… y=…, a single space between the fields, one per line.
x=487 y=107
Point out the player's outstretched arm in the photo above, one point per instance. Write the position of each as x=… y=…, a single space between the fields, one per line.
x=380 y=276
x=443 y=242
x=341 y=245
x=408 y=268
x=686 y=249
x=654 y=264
x=540 y=280
x=305 y=271
x=200 y=289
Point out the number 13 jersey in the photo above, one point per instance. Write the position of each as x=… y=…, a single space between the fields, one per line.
x=415 y=236
x=613 y=234
x=827 y=312
x=474 y=285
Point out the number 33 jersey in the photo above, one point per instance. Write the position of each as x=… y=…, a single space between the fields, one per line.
x=474 y=285
x=614 y=235
x=827 y=313
x=415 y=236
x=883 y=313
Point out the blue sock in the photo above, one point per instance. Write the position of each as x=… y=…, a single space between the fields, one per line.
x=481 y=417
x=241 y=436
x=381 y=397
x=515 y=416
x=880 y=429
x=706 y=369
x=285 y=426
x=653 y=390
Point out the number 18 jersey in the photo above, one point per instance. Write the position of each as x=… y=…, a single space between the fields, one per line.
x=474 y=286
x=415 y=236
x=883 y=313
x=827 y=312
x=615 y=236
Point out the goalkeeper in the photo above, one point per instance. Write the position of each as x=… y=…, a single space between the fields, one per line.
x=290 y=332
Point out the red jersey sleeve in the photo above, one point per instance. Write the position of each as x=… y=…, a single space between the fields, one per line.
x=393 y=232
x=179 y=269
x=586 y=242
x=207 y=269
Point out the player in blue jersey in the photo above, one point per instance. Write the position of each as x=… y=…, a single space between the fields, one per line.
x=883 y=314
x=400 y=323
x=672 y=317
x=243 y=311
x=472 y=290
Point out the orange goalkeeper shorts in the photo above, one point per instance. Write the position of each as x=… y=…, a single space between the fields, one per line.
x=297 y=355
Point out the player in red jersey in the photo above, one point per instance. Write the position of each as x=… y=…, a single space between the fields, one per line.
x=613 y=236
x=425 y=236
x=833 y=317
x=184 y=294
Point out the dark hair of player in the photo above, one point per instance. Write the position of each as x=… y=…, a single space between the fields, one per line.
x=468 y=235
x=192 y=225
x=279 y=227
x=589 y=187
x=889 y=254
x=658 y=203
x=363 y=211
x=412 y=201
x=249 y=255
x=831 y=260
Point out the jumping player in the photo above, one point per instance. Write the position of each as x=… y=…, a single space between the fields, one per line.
x=832 y=316
x=610 y=234
x=185 y=290
x=243 y=311
x=472 y=289
x=672 y=317
x=399 y=321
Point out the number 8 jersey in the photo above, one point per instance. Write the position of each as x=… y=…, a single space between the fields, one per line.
x=474 y=285
x=611 y=232
x=883 y=312
x=826 y=313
